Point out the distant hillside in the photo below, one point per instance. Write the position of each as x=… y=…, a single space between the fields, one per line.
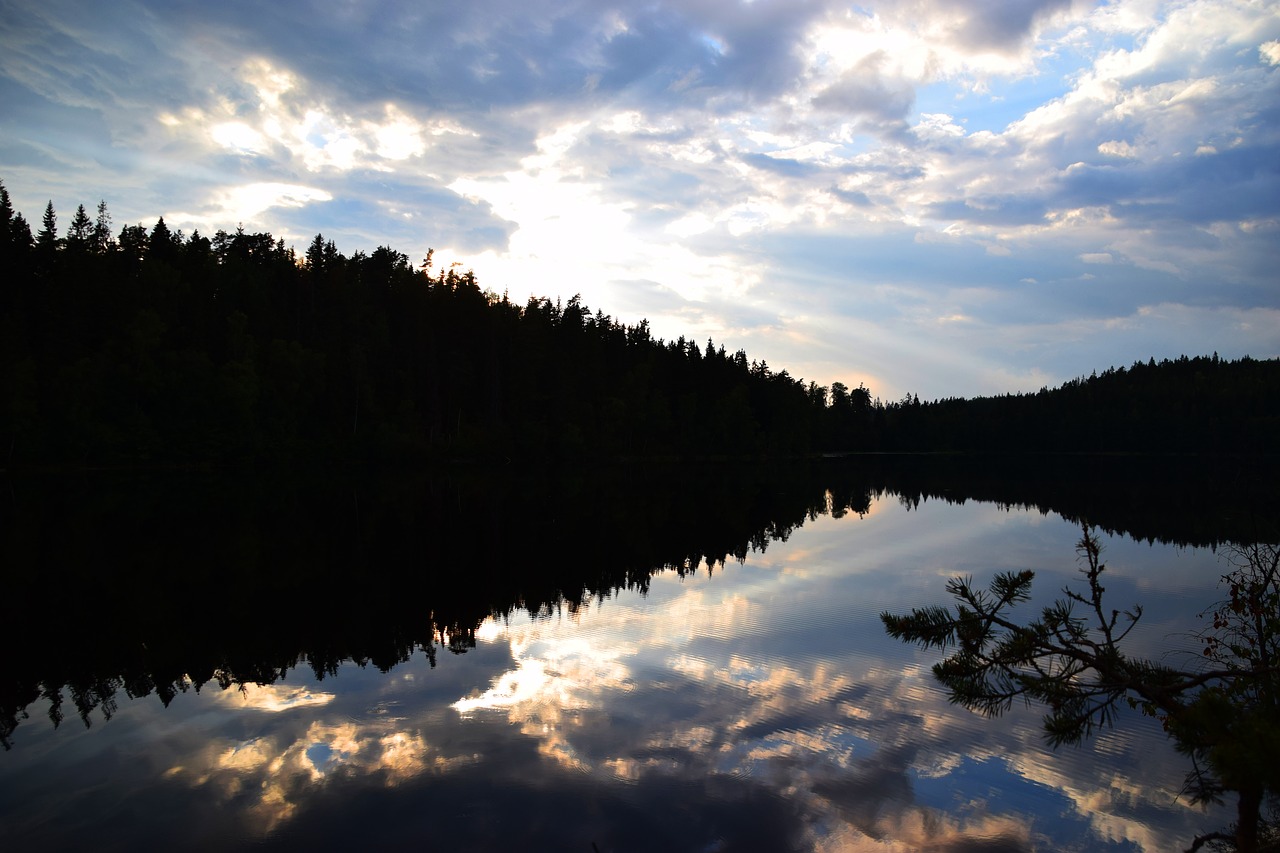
x=156 y=348
x=1202 y=404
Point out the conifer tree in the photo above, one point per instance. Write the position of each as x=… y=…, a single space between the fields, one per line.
x=6 y=216
x=101 y=238
x=47 y=238
x=80 y=232
x=1072 y=660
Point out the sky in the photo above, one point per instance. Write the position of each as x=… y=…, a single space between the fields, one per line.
x=939 y=197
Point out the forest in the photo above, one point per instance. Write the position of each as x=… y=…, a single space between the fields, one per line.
x=152 y=348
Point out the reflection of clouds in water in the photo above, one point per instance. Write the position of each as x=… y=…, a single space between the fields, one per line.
x=772 y=679
x=1118 y=807
x=271 y=697
x=277 y=776
x=555 y=680
x=935 y=833
x=848 y=738
x=551 y=673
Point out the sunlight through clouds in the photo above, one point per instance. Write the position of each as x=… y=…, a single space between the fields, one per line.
x=757 y=172
x=246 y=204
x=237 y=136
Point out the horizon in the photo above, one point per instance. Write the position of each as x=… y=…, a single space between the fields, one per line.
x=929 y=198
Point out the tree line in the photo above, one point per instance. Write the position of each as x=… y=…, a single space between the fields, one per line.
x=1188 y=404
x=152 y=347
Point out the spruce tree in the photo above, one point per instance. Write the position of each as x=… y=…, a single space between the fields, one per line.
x=80 y=232
x=101 y=239
x=47 y=240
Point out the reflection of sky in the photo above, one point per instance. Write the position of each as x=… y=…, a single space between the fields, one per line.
x=796 y=687
x=761 y=707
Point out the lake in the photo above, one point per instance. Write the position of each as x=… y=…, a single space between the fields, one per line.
x=652 y=659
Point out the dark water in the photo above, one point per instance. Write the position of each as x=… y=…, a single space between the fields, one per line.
x=635 y=660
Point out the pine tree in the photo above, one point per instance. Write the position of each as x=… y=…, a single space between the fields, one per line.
x=1071 y=659
x=101 y=240
x=161 y=244
x=47 y=241
x=315 y=254
x=6 y=216
x=80 y=232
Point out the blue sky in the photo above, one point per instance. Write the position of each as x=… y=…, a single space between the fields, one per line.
x=943 y=197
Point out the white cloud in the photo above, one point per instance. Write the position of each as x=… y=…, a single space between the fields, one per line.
x=235 y=135
x=1118 y=148
x=246 y=204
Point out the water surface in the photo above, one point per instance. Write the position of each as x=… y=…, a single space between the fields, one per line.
x=716 y=704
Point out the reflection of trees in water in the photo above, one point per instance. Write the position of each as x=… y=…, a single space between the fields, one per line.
x=167 y=585
x=1072 y=661
x=1181 y=500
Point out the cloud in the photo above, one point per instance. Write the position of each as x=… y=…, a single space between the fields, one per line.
x=1004 y=25
x=245 y=204
x=1118 y=148
x=862 y=90
x=270 y=780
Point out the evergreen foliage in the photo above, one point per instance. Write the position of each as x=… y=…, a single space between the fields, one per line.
x=1071 y=660
x=1188 y=404
x=157 y=348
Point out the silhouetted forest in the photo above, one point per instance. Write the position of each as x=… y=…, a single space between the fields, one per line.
x=155 y=347
x=151 y=347
x=1203 y=404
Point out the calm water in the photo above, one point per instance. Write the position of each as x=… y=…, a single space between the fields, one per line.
x=749 y=705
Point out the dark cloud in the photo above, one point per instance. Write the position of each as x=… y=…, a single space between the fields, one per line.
x=1238 y=183
x=991 y=210
x=484 y=55
x=997 y=844
x=784 y=166
x=514 y=800
x=867 y=92
x=801 y=713
x=998 y=25
x=877 y=790
x=660 y=54
x=761 y=40
x=857 y=198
